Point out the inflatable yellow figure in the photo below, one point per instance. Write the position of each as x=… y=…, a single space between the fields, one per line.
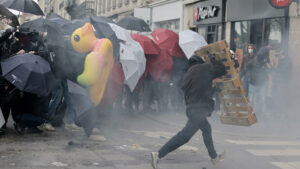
x=98 y=62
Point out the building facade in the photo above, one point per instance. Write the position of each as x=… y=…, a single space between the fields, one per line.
x=115 y=9
x=167 y=14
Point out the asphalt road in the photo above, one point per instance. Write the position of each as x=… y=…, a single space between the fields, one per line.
x=125 y=142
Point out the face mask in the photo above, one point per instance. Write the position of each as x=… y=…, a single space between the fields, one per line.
x=250 y=51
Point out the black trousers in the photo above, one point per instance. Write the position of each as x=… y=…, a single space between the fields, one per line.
x=191 y=127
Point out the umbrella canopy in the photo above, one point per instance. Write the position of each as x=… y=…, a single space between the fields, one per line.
x=121 y=33
x=27 y=6
x=167 y=39
x=29 y=73
x=37 y=25
x=160 y=67
x=190 y=41
x=85 y=115
x=134 y=23
x=114 y=86
x=101 y=19
x=149 y=46
x=103 y=30
x=71 y=26
x=8 y=17
x=57 y=19
x=80 y=98
x=133 y=62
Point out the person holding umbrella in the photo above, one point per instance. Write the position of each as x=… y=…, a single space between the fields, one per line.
x=198 y=92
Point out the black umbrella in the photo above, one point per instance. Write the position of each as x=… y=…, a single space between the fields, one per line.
x=103 y=30
x=83 y=107
x=134 y=23
x=29 y=73
x=70 y=27
x=101 y=19
x=27 y=6
x=64 y=53
x=37 y=25
x=57 y=19
x=8 y=17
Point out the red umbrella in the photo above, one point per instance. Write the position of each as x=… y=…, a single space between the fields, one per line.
x=160 y=67
x=149 y=46
x=167 y=39
x=114 y=86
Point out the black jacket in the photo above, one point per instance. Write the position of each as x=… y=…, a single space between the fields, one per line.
x=198 y=89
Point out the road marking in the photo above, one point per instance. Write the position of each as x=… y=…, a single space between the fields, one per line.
x=287 y=165
x=278 y=152
x=152 y=134
x=270 y=143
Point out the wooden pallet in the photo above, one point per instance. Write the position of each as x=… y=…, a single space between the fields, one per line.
x=237 y=110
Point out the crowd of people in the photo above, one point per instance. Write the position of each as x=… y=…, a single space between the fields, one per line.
x=265 y=74
x=262 y=77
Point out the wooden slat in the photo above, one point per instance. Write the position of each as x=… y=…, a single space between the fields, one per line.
x=236 y=108
x=235 y=100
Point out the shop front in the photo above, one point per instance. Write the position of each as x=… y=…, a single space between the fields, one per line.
x=256 y=22
x=208 y=18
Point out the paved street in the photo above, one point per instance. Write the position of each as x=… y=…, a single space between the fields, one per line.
x=125 y=142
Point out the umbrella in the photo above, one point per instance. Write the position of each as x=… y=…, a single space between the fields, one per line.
x=167 y=39
x=133 y=62
x=83 y=107
x=134 y=23
x=121 y=33
x=103 y=30
x=160 y=67
x=149 y=46
x=64 y=53
x=114 y=86
x=29 y=73
x=79 y=97
x=8 y=17
x=37 y=25
x=101 y=19
x=190 y=41
x=57 y=19
x=27 y=6
x=70 y=27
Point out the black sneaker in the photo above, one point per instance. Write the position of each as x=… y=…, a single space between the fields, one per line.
x=19 y=129
x=2 y=132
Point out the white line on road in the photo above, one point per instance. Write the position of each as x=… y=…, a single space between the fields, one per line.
x=270 y=143
x=278 y=152
x=287 y=165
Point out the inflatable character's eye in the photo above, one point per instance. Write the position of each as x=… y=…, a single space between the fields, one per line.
x=76 y=38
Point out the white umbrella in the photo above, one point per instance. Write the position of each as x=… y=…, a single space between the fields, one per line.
x=121 y=33
x=190 y=41
x=133 y=62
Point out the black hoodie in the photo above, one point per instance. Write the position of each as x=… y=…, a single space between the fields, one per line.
x=197 y=85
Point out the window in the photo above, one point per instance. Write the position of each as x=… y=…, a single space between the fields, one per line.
x=120 y=3
x=259 y=32
x=103 y=6
x=126 y=2
x=241 y=34
x=274 y=29
x=214 y=33
x=114 y=4
x=108 y=5
x=173 y=25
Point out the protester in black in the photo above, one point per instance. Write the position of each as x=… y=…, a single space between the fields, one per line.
x=198 y=92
